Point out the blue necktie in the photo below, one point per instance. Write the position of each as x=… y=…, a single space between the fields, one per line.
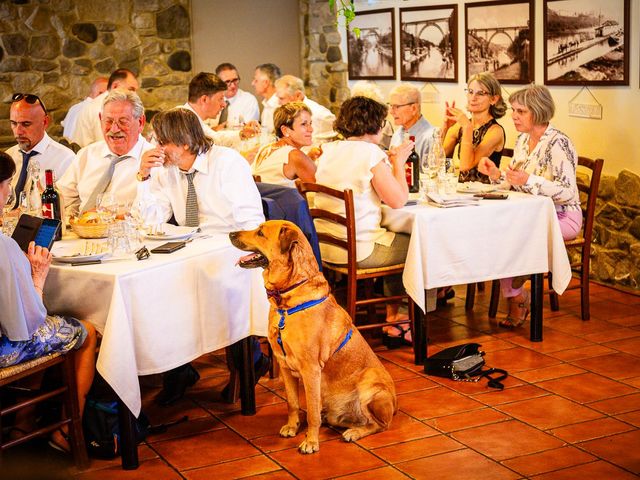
x=22 y=179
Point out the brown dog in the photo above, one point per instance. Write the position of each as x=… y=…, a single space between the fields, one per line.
x=344 y=382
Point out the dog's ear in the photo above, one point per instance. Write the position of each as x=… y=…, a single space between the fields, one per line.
x=288 y=238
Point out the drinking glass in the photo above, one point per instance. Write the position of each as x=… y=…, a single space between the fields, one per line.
x=107 y=207
x=11 y=200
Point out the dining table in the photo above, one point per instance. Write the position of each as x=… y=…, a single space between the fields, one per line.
x=487 y=240
x=161 y=312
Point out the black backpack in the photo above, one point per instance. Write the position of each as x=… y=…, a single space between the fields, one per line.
x=100 y=422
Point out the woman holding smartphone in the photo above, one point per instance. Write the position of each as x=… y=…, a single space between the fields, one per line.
x=544 y=163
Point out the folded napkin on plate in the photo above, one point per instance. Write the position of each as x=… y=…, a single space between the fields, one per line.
x=446 y=201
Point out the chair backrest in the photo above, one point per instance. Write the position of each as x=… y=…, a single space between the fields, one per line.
x=257 y=178
x=347 y=220
x=507 y=152
x=591 y=190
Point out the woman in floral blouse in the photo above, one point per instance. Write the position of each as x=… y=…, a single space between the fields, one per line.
x=544 y=163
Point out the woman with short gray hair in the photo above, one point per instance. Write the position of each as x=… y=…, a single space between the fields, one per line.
x=544 y=163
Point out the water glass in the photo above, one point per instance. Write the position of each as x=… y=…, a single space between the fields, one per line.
x=428 y=185
x=118 y=240
x=9 y=223
x=451 y=183
x=107 y=207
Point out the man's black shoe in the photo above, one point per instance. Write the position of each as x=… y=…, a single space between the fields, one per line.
x=260 y=368
x=175 y=383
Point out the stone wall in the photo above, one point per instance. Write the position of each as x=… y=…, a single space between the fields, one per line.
x=324 y=69
x=615 y=251
x=56 y=48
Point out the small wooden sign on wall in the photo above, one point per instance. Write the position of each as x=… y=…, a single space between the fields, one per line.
x=586 y=107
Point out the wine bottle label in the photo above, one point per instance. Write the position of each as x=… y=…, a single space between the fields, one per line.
x=408 y=172
x=47 y=210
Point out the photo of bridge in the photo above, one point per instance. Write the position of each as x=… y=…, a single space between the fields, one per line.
x=372 y=51
x=500 y=40
x=428 y=43
x=586 y=42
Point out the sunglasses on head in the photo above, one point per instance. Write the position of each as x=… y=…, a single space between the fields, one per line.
x=29 y=98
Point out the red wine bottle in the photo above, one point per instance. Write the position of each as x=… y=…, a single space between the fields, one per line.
x=412 y=170
x=51 y=201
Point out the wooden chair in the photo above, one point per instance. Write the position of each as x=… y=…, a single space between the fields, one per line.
x=67 y=391
x=351 y=270
x=582 y=243
x=495 y=284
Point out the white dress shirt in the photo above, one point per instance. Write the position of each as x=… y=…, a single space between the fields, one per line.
x=71 y=118
x=322 y=120
x=51 y=156
x=80 y=179
x=228 y=199
x=223 y=138
x=268 y=107
x=88 y=128
x=242 y=104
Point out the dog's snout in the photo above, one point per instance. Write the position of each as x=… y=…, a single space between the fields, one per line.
x=233 y=235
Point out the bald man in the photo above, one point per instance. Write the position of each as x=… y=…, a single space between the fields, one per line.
x=29 y=121
x=98 y=86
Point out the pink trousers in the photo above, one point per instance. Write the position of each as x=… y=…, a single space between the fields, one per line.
x=570 y=225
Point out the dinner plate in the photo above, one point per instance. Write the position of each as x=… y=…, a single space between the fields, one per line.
x=475 y=187
x=172 y=232
x=79 y=258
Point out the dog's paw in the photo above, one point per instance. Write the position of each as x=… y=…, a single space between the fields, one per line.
x=289 y=431
x=352 y=434
x=309 y=446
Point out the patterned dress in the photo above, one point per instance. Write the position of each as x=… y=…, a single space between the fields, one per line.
x=473 y=175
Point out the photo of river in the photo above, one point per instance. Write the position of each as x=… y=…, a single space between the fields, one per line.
x=586 y=42
x=371 y=50
x=428 y=45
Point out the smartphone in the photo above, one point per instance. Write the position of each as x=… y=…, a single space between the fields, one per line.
x=492 y=196
x=42 y=231
x=168 y=247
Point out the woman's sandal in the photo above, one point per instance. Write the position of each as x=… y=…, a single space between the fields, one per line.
x=524 y=307
x=447 y=294
x=56 y=446
x=400 y=340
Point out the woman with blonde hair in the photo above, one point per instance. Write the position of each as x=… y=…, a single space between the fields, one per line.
x=544 y=163
x=478 y=136
x=282 y=161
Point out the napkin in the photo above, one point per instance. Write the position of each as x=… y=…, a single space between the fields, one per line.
x=452 y=200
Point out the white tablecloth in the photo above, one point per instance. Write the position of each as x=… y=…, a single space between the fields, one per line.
x=162 y=312
x=497 y=239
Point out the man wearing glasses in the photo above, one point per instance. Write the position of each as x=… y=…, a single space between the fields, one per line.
x=241 y=106
x=404 y=106
x=29 y=121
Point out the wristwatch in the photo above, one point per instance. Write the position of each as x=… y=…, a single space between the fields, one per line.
x=140 y=178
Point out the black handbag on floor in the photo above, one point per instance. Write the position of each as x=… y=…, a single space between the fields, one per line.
x=463 y=363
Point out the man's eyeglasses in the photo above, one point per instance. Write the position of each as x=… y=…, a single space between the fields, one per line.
x=396 y=106
x=232 y=81
x=479 y=93
x=29 y=98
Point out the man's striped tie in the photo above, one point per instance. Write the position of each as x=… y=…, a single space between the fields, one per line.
x=192 y=219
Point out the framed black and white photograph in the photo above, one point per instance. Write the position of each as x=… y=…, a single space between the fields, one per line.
x=586 y=42
x=372 y=52
x=428 y=43
x=500 y=40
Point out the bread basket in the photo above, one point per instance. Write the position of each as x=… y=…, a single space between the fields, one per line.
x=89 y=230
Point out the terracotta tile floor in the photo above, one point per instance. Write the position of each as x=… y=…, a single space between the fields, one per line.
x=570 y=409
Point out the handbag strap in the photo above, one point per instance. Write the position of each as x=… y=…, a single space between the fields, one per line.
x=497 y=381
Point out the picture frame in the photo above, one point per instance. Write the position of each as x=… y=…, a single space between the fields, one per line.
x=372 y=53
x=429 y=43
x=500 y=37
x=586 y=42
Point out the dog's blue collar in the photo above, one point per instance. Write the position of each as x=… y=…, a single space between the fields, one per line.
x=298 y=308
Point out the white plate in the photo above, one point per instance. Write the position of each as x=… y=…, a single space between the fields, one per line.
x=80 y=258
x=475 y=187
x=172 y=232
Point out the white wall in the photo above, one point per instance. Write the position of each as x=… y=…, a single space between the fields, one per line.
x=246 y=33
x=616 y=137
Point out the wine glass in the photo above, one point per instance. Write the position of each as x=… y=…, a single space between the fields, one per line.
x=10 y=201
x=107 y=207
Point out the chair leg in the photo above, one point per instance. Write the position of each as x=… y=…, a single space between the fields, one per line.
x=495 y=298
x=584 y=290
x=76 y=436
x=471 y=296
x=554 y=301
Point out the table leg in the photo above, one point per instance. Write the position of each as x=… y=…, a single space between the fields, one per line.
x=128 y=444
x=247 y=377
x=419 y=335
x=536 y=306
